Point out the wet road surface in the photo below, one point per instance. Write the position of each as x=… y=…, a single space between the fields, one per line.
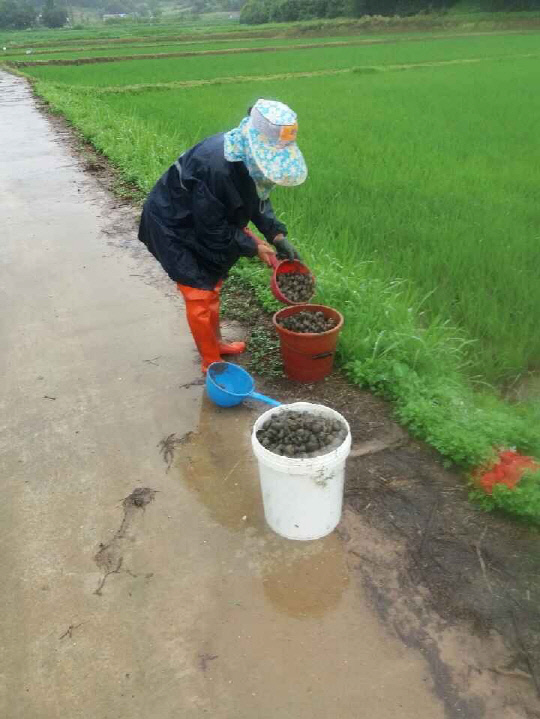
x=139 y=579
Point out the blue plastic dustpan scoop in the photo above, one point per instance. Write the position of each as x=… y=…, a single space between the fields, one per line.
x=228 y=384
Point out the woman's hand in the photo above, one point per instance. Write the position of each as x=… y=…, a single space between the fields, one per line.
x=285 y=249
x=265 y=252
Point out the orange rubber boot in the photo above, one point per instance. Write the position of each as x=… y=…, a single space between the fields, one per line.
x=200 y=320
x=232 y=348
x=225 y=348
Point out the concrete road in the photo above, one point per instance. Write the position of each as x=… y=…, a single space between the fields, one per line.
x=139 y=579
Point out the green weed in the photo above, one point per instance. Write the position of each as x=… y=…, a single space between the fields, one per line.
x=264 y=354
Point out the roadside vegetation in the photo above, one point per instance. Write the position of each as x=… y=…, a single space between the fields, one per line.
x=257 y=12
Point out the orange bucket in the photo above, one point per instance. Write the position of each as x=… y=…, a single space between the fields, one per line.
x=308 y=356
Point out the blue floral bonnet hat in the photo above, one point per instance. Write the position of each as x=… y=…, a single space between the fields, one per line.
x=266 y=142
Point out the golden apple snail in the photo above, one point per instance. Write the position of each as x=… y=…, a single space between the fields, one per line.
x=296 y=286
x=308 y=321
x=301 y=434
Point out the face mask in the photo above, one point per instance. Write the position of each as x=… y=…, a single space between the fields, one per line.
x=237 y=148
x=264 y=187
x=263 y=184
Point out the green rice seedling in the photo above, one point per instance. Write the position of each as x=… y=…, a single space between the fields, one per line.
x=287 y=61
x=160 y=48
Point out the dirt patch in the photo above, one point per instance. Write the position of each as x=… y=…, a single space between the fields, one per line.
x=139 y=498
x=94 y=166
x=477 y=571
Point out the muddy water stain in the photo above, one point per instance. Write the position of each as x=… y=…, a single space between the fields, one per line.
x=312 y=583
x=218 y=465
x=300 y=579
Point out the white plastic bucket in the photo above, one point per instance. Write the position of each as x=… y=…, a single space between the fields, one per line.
x=302 y=498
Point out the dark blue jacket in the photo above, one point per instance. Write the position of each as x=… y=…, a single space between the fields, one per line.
x=193 y=218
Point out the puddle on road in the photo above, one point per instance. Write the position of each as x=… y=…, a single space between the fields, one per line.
x=301 y=579
x=217 y=464
x=311 y=584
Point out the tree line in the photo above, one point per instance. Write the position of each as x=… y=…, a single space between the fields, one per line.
x=256 y=12
x=20 y=14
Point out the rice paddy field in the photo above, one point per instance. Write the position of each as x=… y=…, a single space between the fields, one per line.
x=112 y=49
x=420 y=216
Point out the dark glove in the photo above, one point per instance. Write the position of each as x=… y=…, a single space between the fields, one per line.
x=285 y=250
